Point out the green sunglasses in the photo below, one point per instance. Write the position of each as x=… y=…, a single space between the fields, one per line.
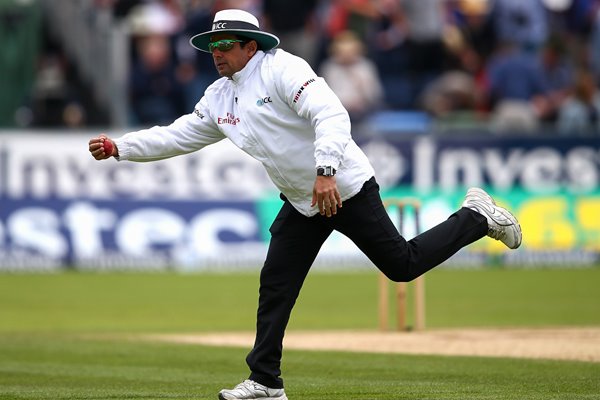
x=223 y=45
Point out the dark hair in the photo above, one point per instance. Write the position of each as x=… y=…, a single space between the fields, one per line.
x=245 y=40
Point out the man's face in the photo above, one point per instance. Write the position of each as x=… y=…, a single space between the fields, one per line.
x=231 y=61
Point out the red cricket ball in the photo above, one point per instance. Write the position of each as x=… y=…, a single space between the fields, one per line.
x=108 y=147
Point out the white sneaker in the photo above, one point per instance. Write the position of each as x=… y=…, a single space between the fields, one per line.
x=252 y=390
x=502 y=225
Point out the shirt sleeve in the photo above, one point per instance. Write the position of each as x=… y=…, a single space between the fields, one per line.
x=188 y=133
x=312 y=99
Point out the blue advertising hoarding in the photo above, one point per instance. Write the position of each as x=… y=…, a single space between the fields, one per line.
x=212 y=209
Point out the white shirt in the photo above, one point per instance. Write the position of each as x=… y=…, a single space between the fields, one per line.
x=278 y=111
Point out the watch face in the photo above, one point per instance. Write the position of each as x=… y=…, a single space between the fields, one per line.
x=325 y=171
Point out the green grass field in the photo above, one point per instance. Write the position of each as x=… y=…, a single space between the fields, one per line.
x=45 y=352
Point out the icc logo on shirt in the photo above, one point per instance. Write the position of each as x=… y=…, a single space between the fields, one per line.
x=263 y=101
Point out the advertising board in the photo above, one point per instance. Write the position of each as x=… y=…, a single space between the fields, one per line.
x=60 y=208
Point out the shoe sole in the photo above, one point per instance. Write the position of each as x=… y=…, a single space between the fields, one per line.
x=284 y=397
x=515 y=222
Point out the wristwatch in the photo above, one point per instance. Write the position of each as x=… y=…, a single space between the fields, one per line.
x=325 y=171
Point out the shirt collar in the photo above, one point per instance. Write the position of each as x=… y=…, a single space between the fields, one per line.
x=242 y=75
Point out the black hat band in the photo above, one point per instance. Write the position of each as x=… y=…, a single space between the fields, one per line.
x=230 y=25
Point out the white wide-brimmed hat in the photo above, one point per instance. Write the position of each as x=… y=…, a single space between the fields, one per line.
x=237 y=22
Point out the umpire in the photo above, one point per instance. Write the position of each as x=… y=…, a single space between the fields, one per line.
x=273 y=106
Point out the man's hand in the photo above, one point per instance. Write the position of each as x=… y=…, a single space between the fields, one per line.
x=326 y=195
x=100 y=150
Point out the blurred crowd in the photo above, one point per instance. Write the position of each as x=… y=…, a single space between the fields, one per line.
x=513 y=64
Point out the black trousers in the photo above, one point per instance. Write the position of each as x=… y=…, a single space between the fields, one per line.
x=296 y=240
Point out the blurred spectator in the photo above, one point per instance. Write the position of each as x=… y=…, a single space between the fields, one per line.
x=452 y=93
x=293 y=22
x=447 y=57
x=121 y=8
x=196 y=70
x=155 y=17
x=571 y=18
x=425 y=22
x=470 y=43
x=389 y=51
x=594 y=46
x=473 y=21
x=515 y=74
x=514 y=116
x=252 y=6
x=409 y=48
x=517 y=89
x=580 y=113
x=557 y=74
x=56 y=99
x=523 y=22
x=336 y=16
x=475 y=66
x=156 y=95
x=352 y=76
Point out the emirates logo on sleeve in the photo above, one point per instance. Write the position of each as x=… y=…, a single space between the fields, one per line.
x=229 y=119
